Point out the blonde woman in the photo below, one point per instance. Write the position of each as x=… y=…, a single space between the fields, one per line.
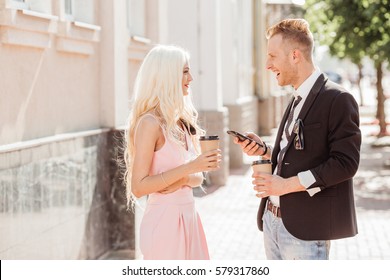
x=162 y=157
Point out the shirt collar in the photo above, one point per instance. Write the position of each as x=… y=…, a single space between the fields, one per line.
x=304 y=89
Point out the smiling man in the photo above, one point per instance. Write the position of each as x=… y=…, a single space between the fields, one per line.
x=308 y=200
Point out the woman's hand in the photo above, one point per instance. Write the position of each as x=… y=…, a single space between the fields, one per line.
x=192 y=180
x=175 y=186
x=208 y=161
x=195 y=180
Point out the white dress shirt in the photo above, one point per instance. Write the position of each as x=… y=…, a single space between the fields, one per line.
x=306 y=178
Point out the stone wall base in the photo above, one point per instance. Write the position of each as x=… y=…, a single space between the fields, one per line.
x=62 y=198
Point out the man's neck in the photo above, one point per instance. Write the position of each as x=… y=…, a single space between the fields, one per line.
x=304 y=73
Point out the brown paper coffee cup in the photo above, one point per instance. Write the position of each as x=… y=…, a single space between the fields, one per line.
x=262 y=166
x=208 y=143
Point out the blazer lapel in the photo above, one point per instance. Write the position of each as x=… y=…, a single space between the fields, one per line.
x=312 y=96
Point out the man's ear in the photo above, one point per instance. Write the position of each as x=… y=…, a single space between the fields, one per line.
x=296 y=55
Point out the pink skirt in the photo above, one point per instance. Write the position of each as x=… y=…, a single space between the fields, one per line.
x=171 y=228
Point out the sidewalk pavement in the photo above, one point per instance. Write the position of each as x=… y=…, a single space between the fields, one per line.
x=229 y=212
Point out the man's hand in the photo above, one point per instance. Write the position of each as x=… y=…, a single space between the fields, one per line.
x=251 y=148
x=268 y=184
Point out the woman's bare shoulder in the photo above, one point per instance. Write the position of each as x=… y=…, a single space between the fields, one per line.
x=149 y=123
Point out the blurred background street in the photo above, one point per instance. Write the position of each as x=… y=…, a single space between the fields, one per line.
x=67 y=74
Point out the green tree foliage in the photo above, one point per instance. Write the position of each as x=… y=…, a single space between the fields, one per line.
x=355 y=29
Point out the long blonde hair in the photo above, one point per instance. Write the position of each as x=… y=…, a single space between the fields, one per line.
x=158 y=90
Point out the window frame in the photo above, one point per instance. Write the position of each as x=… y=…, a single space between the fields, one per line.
x=69 y=16
x=18 y=4
x=88 y=18
x=134 y=31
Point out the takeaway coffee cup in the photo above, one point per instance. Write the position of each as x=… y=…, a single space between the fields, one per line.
x=262 y=166
x=209 y=142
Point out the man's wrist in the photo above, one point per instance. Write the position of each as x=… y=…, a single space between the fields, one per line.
x=294 y=185
x=265 y=148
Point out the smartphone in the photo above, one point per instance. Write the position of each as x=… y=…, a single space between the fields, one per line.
x=242 y=137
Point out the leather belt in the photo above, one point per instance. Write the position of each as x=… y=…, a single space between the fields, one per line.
x=275 y=210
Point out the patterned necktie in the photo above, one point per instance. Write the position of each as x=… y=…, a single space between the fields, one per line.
x=287 y=133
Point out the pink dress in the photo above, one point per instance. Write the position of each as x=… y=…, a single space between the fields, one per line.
x=171 y=228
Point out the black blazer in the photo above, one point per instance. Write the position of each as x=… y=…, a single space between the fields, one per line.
x=331 y=152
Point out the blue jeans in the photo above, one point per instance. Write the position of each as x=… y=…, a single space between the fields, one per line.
x=281 y=245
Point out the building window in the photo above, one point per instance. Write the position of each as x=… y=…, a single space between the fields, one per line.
x=82 y=11
x=17 y=4
x=136 y=17
x=40 y=6
x=68 y=7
